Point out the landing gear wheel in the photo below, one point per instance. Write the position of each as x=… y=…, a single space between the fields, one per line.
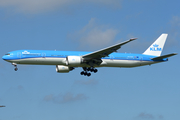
x=85 y=73
x=82 y=73
x=91 y=70
x=15 y=69
x=84 y=68
x=89 y=74
x=95 y=70
x=88 y=69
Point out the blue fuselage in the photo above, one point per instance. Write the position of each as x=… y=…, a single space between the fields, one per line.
x=44 y=57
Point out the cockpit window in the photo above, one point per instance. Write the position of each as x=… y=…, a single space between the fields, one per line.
x=7 y=54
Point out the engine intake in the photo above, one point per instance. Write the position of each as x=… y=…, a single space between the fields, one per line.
x=73 y=60
x=63 y=69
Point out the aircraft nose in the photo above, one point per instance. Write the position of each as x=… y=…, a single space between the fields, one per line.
x=4 y=57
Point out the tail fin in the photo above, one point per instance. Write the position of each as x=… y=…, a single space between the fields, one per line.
x=156 y=48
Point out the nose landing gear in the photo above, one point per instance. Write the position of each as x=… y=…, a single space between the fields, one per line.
x=16 y=69
x=15 y=65
x=86 y=73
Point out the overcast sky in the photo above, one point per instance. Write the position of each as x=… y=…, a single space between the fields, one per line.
x=38 y=92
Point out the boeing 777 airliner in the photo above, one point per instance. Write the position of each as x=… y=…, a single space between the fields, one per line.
x=66 y=61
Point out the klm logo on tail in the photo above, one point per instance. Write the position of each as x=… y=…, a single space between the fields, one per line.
x=155 y=48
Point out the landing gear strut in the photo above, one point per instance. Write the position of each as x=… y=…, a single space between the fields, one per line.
x=86 y=73
x=15 y=65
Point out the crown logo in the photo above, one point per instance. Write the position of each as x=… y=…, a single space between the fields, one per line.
x=25 y=52
x=155 y=45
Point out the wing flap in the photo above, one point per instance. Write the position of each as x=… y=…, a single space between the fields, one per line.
x=164 y=56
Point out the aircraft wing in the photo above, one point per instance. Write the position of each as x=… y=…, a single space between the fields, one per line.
x=106 y=51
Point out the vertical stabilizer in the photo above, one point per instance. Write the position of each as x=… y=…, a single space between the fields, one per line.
x=156 y=48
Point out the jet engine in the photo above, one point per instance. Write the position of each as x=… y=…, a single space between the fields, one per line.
x=63 y=69
x=73 y=60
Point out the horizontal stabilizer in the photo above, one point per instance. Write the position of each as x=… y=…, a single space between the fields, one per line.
x=164 y=56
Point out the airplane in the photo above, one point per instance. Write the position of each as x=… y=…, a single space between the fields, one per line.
x=66 y=61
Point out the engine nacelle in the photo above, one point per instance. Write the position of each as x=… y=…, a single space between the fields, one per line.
x=73 y=60
x=63 y=69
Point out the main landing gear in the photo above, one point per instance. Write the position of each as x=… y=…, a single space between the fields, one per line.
x=86 y=73
x=15 y=65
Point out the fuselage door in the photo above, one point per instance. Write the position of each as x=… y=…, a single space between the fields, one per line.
x=43 y=55
x=111 y=57
x=19 y=55
x=141 y=58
